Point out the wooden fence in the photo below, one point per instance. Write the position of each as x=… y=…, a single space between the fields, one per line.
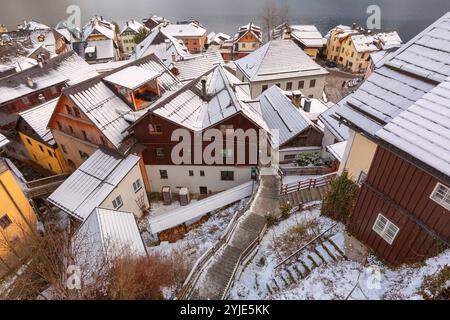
x=307 y=184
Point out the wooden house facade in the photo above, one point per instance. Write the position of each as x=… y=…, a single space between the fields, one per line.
x=399 y=194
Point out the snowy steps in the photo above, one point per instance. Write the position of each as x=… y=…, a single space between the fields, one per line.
x=297 y=269
x=297 y=198
x=218 y=272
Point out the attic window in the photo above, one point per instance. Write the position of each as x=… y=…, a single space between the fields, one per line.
x=154 y=128
x=385 y=229
x=5 y=222
x=441 y=195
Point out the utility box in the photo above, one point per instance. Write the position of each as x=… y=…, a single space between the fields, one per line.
x=166 y=195
x=184 y=197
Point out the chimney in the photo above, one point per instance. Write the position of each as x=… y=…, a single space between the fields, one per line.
x=174 y=57
x=30 y=83
x=353 y=25
x=204 y=94
x=296 y=98
x=167 y=42
x=307 y=106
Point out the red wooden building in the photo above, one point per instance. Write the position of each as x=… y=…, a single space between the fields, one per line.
x=403 y=208
x=215 y=100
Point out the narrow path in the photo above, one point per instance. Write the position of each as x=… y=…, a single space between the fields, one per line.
x=214 y=280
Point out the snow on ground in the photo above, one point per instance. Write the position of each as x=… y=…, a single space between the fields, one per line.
x=335 y=280
x=252 y=283
x=375 y=282
x=200 y=239
x=159 y=207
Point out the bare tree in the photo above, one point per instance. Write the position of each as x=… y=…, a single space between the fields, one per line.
x=269 y=17
x=46 y=273
x=283 y=14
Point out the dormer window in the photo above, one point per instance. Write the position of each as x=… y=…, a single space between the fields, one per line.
x=137 y=85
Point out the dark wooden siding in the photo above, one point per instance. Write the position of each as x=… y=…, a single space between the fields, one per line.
x=154 y=141
x=401 y=192
x=308 y=138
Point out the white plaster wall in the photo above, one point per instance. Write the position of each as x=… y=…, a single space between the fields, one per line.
x=317 y=91
x=126 y=191
x=178 y=176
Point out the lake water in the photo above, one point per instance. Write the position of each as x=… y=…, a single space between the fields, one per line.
x=408 y=17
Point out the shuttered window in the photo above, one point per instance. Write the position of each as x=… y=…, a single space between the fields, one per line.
x=441 y=195
x=385 y=229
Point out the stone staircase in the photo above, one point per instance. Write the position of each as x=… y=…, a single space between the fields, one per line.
x=300 y=267
x=213 y=274
x=299 y=197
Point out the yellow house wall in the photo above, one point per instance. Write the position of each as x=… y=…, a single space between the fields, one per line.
x=16 y=206
x=312 y=52
x=344 y=49
x=360 y=157
x=54 y=163
x=128 y=43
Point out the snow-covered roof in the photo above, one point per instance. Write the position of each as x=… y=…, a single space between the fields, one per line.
x=106 y=109
x=33 y=25
x=109 y=232
x=187 y=107
x=3 y=141
x=38 y=117
x=163 y=45
x=400 y=79
x=16 y=85
x=339 y=130
x=109 y=66
x=280 y=114
x=131 y=77
x=423 y=129
x=383 y=41
x=74 y=68
x=278 y=59
x=67 y=68
x=65 y=32
x=99 y=26
x=217 y=38
x=308 y=35
x=133 y=25
x=87 y=188
x=184 y=30
x=252 y=28
x=199 y=208
x=196 y=65
x=337 y=150
x=103 y=107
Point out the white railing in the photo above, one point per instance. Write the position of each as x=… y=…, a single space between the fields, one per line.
x=202 y=262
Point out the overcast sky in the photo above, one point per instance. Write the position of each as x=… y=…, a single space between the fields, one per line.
x=51 y=11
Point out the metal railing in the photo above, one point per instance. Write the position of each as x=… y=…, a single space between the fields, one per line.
x=242 y=260
x=201 y=262
x=305 y=246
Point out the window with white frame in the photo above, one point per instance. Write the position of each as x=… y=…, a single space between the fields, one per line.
x=117 y=202
x=362 y=177
x=441 y=195
x=385 y=228
x=137 y=185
